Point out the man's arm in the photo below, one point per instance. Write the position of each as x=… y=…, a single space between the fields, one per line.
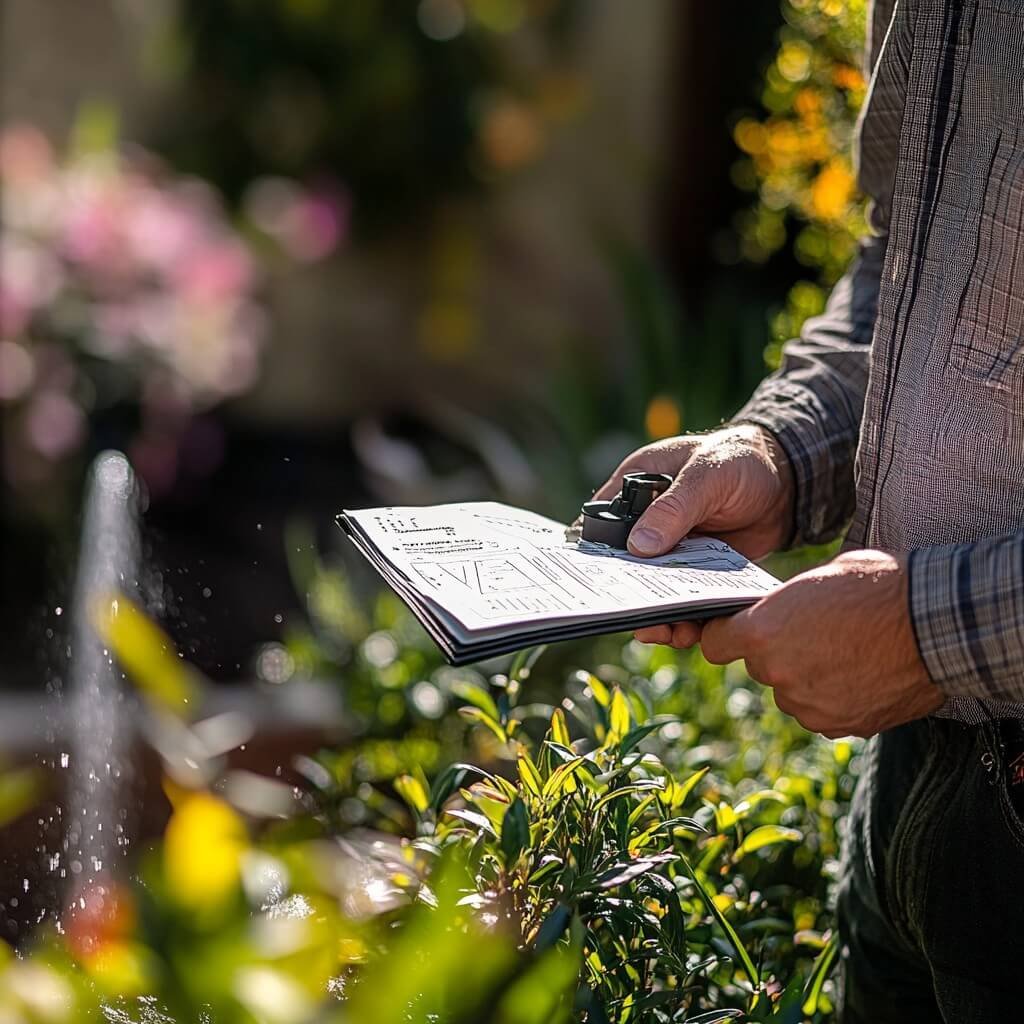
x=813 y=404
x=967 y=610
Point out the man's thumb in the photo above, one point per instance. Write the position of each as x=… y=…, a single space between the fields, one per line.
x=673 y=514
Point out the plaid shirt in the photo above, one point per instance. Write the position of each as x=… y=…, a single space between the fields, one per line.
x=902 y=406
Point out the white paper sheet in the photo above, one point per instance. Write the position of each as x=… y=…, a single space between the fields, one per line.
x=492 y=568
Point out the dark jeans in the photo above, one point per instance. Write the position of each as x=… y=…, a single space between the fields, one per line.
x=931 y=900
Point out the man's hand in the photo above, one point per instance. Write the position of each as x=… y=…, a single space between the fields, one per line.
x=837 y=646
x=734 y=483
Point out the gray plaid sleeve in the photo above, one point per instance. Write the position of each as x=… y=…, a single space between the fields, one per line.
x=813 y=404
x=967 y=608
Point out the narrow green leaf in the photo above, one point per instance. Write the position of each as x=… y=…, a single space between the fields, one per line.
x=559 y=728
x=637 y=813
x=411 y=790
x=681 y=790
x=476 y=715
x=548 y=866
x=752 y=800
x=766 y=835
x=618 y=717
x=723 y=923
x=819 y=973
x=554 y=927
x=528 y=773
x=634 y=736
x=525 y=660
x=618 y=874
x=561 y=779
x=445 y=784
x=477 y=696
x=474 y=818
x=515 y=831
x=563 y=752
x=598 y=689
x=636 y=787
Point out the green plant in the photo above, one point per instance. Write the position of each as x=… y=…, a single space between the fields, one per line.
x=648 y=842
x=679 y=913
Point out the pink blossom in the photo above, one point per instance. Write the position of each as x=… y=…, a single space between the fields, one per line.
x=308 y=224
x=164 y=230
x=218 y=270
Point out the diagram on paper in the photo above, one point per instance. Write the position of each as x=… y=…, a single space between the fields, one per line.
x=496 y=586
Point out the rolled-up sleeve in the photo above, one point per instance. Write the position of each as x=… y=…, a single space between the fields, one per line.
x=967 y=608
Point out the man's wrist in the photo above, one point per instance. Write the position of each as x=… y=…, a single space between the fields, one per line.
x=783 y=510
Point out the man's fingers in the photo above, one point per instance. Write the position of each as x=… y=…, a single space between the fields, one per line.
x=726 y=639
x=654 y=635
x=685 y=634
x=675 y=513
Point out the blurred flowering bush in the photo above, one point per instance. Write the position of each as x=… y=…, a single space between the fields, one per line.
x=125 y=292
x=797 y=156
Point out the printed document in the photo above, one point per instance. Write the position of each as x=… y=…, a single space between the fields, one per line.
x=486 y=578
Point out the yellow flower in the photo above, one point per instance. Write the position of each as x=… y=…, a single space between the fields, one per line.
x=203 y=849
x=794 y=60
x=750 y=136
x=845 y=76
x=832 y=191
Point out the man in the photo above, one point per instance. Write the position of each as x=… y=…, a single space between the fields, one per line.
x=903 y=406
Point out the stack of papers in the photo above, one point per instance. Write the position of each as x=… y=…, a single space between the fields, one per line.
x=487 y=579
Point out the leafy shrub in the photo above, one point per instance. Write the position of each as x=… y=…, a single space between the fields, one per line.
x=648 y=842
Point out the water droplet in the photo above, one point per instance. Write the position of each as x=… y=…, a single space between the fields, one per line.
x=207 y=592
x=58 y=610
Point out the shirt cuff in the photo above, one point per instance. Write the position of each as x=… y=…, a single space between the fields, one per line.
x=967 y=611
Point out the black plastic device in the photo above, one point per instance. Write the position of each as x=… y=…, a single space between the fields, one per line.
x=609 y=522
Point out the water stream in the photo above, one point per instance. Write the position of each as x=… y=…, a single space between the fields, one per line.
x=98 y=726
